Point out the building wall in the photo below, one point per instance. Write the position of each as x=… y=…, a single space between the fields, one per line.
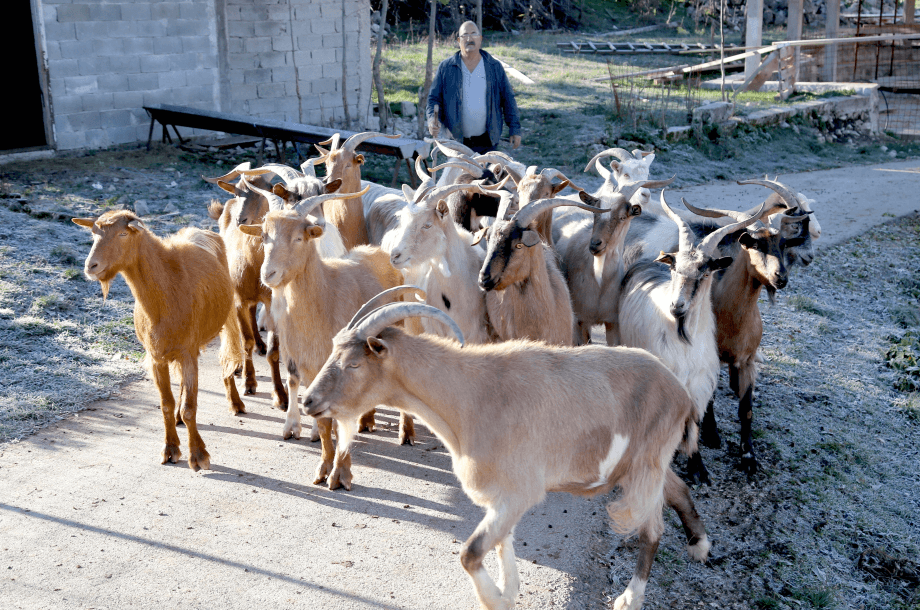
x=106 y=59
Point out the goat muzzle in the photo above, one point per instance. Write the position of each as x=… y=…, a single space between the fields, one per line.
x=597 y=247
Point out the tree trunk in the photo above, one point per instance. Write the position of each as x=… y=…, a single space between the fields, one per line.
x=378 y=82
x=345 y=70
x=423 y=91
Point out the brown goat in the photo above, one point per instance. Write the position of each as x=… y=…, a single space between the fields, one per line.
x=533 y=187
x=183 y=299
x=347 y=214
x=245 y=258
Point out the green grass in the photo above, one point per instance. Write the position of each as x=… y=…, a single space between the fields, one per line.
x=803 y=303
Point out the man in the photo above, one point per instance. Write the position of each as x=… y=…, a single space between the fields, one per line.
x=473 y=96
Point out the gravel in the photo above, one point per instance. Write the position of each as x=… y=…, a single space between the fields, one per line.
x=832 y=519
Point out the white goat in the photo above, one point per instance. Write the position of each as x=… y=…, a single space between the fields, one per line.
x=669 y=313
x=631 y=416
x=632 y=167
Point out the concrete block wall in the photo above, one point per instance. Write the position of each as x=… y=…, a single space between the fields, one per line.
x=285 y=59
x=106 y=59
x=280 y=59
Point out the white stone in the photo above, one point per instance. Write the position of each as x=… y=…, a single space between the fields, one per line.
x=141 y=208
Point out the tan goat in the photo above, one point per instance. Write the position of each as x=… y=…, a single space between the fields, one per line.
x=312 y=299
x=183 y=299
x=630 y=417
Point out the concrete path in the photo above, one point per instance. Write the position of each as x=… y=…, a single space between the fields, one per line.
x=90 y=519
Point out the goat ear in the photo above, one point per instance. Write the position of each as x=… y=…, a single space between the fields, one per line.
x=615 y=166
x=86 y=223
x=230 y=188
x=280 y=190
x=215 y=210
x=479 y=235
x=378 y=347
x=720 y=263
x=313 y=231
x=359 y=159
x=136 y=225
x=333 y=185
x=747 y=240
x=667 y=259
x=530 y=238
x=253 y=230
x=442 y=209
x=590 y=199
x=322 y=150
x=634 y=210
x=558 y=187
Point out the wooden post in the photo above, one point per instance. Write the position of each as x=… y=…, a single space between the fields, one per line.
x=754 y=34
x=832 y=8
x=910 y=7
x=794 y=30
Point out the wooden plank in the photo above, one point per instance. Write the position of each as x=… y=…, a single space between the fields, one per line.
x=832 y=10
x=754 y=34
x=759 y=76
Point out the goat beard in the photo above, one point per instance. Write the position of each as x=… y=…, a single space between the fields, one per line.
x=682 y=329
x=105 y=285
x=771 y=292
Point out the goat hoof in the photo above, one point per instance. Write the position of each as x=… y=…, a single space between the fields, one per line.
x=238 y=372
x=341 y=477
x=250 y=390
x=171 y=453
x=199 y=459
x=291 y=432
x=699 y=477
x=262 y=350
x=237 y=407
x=749 y=464
x=406 y=439
x=711 y=439
x=322 y=472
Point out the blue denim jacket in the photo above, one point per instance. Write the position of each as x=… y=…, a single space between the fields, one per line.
x=447 y=93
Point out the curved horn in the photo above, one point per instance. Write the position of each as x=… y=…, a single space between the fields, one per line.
x=685 y=242
x=308 y=167
x=453 y=149
x=305 y=206
x=466 y=166
x=550 y=172
x=620 y=153
x=378 y=300
x=443 y=191
x=390 y=314
x=274 y=201
x=492 y=157
x=529 y=212
x=356 y=140
x=288 y=174
x=781 y=189
x=230 y=175
x=711 y=242
x=332 y=142
x=628 y=189
x=494 y=187
x=420 y=170
x=531 y=171
x=776 y=206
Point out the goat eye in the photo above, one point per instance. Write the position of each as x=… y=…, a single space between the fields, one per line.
x=519 y=246
x=125 y=234
x=354 y=366
x=426 y=226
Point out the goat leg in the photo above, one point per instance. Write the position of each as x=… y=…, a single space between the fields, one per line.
x=677 y=495
x=279 y=394
x=634 y=595
x=247 y=327
x=254 y=325
x=406 y=429
x=495 y=528
x=198 y=456
x=367 y=423
x=709 y=430
x=160 y=374
x=696 y=470
x=745 y=415
x=292 y=421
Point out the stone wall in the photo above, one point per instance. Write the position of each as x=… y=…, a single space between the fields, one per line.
x=106 y=59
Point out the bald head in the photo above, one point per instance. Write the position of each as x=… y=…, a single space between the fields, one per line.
x=469 y=39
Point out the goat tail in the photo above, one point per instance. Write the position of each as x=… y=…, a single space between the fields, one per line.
x=231 y=355
x=640 y=505
x=689 y=444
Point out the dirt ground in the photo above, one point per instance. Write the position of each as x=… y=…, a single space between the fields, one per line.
x=89 y=518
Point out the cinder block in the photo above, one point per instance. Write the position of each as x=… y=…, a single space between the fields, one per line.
x=187 y=27
x=272 y=28
x=282 y=43
x=164 y=10
x=333 y=71
x=126 y=99
x=68 y=104
x=138 y=46
x=322 y=85
x=60 y=31
x=125 y=135
x=283 y=74
x=262 y=107
x=308 y=42
x=93 y=30
x=63 y=67
x=243 y=29
x=67 y=139
x=280 y=13
x=185 y=61
x=253 y=13
x=323 y=26
x=108 y=47
x=125 y=64
x=75 y=49
x=105 y=12
x=142 y=82
x=202 y=94
x=196 y=44
x=153 y=29
x=73 y=12
x=197 y=11
x=322 y=56
x=272 y=59
x=258 y=76
x=271 y=90
x=97 y=138
x=173 y=79
x=111 y=83
x=96 y=102
x=83 y=121
x=234 y=45
x=80 y=85
x=136 y=11
x=168 y=45
x=243 y=61
x=118 y=117
x=155 y=63
x=245 y=92
x=258 y=44
x=94 y=66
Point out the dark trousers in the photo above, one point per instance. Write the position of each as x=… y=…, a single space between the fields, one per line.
x=480 y=144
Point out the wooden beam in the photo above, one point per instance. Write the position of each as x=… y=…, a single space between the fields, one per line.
x=794 y=28
x=910 y=7
x=754 y=34
x=760 y=75
x=832 y=8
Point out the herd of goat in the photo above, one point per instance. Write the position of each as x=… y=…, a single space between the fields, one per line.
x=469 y=302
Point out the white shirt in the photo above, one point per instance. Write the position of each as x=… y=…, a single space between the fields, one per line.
x=473 y=106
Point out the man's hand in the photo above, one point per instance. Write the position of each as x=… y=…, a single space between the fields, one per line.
x=434 y=125
x=515 y=141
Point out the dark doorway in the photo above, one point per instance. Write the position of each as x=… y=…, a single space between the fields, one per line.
x=22 y=104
